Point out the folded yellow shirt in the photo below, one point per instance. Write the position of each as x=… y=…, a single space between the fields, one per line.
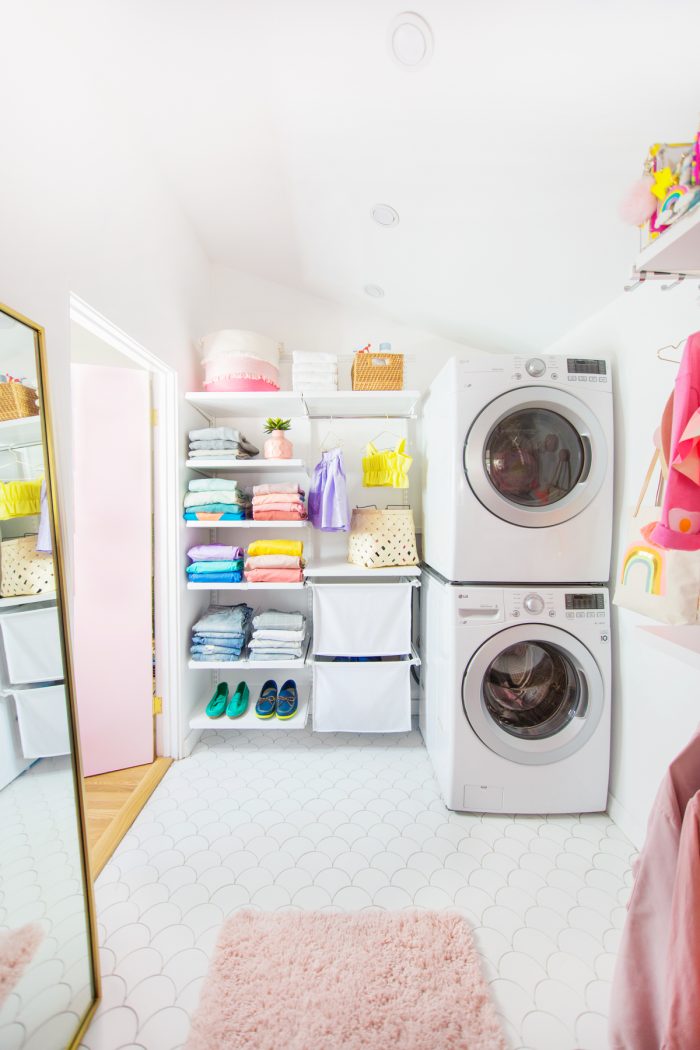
x=19 y=498
x=293 y=548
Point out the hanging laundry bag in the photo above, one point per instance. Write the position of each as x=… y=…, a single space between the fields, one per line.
x=660 y=573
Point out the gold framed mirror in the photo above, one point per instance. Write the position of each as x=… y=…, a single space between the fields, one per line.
x=49 y=975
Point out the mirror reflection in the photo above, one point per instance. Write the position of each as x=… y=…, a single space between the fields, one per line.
x=46 y=950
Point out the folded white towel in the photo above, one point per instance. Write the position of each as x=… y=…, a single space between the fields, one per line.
x=305 y=357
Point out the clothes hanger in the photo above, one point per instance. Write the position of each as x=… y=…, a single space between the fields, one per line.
x=386 y=433
x=336 y=441
x=670 y=346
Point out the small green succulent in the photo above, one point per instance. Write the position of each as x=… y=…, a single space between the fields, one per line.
x=277 y=424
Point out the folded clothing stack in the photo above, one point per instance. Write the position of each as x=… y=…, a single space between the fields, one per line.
x=277 y=636
x=221 y=443
x=221 y=633
x=215 y=499
x=281 y=501
x=275 y=561
x=314 y=373
x=238 y=360
x=215 y=563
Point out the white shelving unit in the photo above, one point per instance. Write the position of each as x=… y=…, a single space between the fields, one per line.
x=250 y=720
x=28 y=599
x=677 y=250
x=247 y=524
x=325 y=555
x=337 y=404
x=249 y=466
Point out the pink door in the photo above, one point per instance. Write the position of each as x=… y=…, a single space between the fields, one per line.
x=112 y=625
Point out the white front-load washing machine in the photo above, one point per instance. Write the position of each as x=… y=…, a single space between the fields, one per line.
x=515 y=696
x=518 y=470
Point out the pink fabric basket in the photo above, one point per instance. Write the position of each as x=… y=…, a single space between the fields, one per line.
x=241 y=385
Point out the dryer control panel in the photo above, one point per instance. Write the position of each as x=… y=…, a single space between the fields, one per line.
x=565 y=370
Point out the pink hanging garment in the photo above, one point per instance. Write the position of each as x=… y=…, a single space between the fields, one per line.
x=679 y=528
x=683 y=978
x=639 y=1003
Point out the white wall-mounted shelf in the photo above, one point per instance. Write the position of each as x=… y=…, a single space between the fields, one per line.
x=340 y=404
x=681 y=641
x=677 y=250
x=247 y=524
x=251 y=721
x=28 y=599
x=243 y=586
x=339 y=568
x=276 y=466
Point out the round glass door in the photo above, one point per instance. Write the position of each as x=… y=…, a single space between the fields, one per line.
x=533 y=694
x=532 y=690
x=535 y=457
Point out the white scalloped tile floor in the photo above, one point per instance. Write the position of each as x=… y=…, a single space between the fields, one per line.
x=297 y=820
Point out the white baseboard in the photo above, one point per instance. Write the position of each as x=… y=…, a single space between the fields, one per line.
x=632 y=826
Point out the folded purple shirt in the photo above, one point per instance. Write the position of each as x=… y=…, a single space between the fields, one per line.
x=214 y=552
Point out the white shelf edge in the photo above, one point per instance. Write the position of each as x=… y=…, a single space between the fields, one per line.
x=27 y=599
x=247 y=524
x=245 y=586
x=248 y=465
x=250 y=720
x=368 y=404
x=348 y=571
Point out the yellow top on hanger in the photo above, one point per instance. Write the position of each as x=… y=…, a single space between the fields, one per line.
x=387 y=468
x=18 y=498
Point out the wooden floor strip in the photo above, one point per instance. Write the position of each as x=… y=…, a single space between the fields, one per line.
x=112 y=803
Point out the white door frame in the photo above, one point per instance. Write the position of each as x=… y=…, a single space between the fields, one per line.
x=166 y=511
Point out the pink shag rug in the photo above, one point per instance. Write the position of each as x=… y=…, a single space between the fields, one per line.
x=326 y=981
x=17 y=948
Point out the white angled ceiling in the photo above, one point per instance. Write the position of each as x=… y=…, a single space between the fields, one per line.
x=279 y=123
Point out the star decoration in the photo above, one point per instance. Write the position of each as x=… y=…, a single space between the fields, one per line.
x=663 y=180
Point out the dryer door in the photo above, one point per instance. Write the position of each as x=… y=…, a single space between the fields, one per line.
x=535 y=457
x=533 y=694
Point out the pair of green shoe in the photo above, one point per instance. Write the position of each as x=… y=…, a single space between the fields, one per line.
x=235 y=706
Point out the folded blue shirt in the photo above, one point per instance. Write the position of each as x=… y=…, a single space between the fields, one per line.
x=199 y=568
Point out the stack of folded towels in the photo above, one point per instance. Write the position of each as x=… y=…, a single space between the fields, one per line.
x=215 y=563
x=278 y=501
x=221 y=633
x=277 y=636
x=215 y=499
x=220 y=443
x=314 y=373
x=274 y=561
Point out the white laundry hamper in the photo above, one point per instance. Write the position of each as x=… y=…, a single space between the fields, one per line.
x=42 y=716
x=363 y=697
x=362 y=619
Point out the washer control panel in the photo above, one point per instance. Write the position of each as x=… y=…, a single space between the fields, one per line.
x=556 y=606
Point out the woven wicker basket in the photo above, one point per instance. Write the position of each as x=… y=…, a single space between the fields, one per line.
x=377 y=372
x=17 y=401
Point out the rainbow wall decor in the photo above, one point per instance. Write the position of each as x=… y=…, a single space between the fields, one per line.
x=652 y=563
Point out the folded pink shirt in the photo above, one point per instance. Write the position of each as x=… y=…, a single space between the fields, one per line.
x=275 y=497
x=274 y=576
x=273 y=561
x=278 y=515
x=271 y=487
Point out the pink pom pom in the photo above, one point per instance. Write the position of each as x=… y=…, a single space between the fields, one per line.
x=639 y=203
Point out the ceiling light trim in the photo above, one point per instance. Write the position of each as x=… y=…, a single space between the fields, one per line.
x=410 y=41
x=385 y=215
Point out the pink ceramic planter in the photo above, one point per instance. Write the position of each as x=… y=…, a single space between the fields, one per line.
x=277 y=446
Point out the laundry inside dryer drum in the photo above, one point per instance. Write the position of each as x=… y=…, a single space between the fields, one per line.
x=532 y=690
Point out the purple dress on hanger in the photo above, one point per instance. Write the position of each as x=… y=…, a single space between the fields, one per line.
x=329 y=509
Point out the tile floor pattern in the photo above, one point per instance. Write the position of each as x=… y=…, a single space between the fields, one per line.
x=41 y=882
x=279 y=820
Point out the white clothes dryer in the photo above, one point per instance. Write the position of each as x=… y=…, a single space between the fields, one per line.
x=515 y=696
x=518 y=470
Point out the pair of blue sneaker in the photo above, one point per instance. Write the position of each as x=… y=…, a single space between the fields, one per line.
x=282 y=704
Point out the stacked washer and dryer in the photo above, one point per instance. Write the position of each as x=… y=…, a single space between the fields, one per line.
x=515 y=625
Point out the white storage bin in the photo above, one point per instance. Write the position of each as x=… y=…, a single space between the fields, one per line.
x=362 y=619
x=43 y=721
x=362 y=697
x=32 y=645
x=12 y=762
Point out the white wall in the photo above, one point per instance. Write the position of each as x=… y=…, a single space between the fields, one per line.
x=81 y=211
x=656 y=698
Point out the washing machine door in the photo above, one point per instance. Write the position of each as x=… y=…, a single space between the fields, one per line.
x=535 y=457
x=533 y=694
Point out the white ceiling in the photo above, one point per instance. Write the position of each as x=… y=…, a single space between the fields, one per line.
x=279 y=123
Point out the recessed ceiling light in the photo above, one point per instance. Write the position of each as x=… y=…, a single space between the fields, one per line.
x=385 y=215
x=374 y=291
x=410 y=40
